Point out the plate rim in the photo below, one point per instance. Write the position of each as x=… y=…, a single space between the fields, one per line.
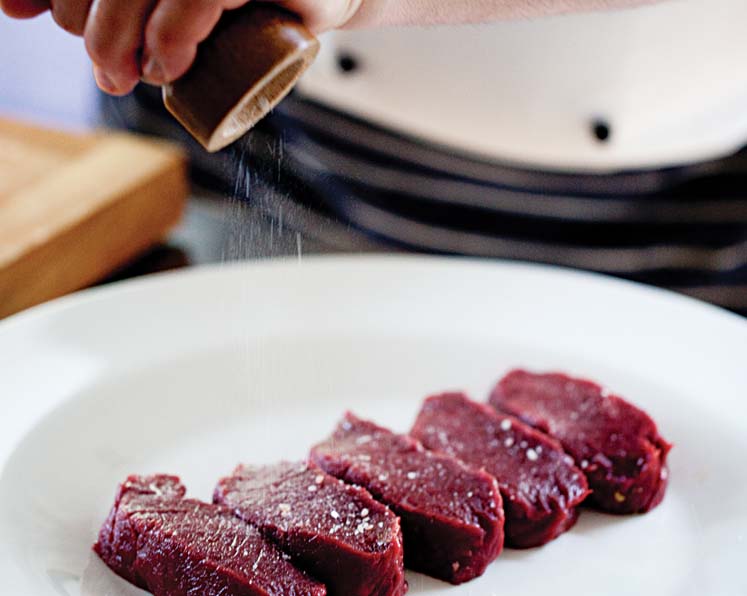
x=100 y=293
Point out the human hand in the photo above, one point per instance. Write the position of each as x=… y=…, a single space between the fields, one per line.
x=156 y=40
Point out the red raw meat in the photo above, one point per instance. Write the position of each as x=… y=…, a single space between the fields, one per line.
x=336 y=532
x=172 y=546
x=452 y=520
x=616 y=445
x=541 y=487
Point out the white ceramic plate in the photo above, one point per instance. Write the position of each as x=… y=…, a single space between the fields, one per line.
x=192 y=373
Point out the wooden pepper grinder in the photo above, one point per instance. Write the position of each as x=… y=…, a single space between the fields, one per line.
x=244 y=69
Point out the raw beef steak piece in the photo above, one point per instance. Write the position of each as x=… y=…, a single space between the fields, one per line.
x=541 y=487
x=452 y=518
x=172 y=546
x=616 y=445
x=336 y=532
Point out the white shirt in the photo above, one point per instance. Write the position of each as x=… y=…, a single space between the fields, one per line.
x=668 y=79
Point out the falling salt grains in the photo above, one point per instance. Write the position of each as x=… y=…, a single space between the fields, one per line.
x=284 y=509
x=584 y=464
x=319 y=479
x=383 y=477
x=505 y=424
x=523 y=444
x=509 y=442
x=334 y=514
x=364 y=512
x=412 y=475
x=664 y=474
x=532 y=455
x=312 y=488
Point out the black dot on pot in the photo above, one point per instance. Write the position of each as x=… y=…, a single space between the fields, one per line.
x=347 y=63
x=602 y=130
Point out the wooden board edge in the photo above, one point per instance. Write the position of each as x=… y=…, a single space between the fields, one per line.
x=124 y=229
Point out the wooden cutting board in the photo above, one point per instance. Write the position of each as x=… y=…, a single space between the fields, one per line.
x=76 y=207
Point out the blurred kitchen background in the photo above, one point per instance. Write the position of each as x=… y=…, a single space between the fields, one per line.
x=611 y=142
x=45 y=74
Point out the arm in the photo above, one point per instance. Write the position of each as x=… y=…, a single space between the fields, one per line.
x=376 y=13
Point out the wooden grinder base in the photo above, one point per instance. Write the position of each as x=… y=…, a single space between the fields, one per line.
x=244 y=69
